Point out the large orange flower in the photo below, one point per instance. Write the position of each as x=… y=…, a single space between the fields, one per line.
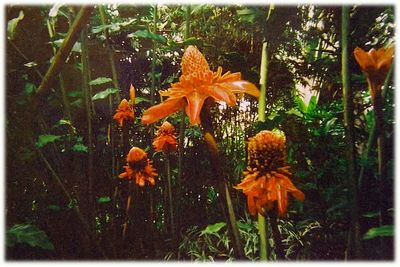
x=266 y=181
x=195 y=85
x=139 y=167
x=165 y=139
x=376 y=64
x=124 y=112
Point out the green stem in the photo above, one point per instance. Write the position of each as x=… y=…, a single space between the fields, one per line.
x=66 y=47
x=261 y=117
x=354 y=238
x=171 y=206
x=263 y=237
x=88 y=105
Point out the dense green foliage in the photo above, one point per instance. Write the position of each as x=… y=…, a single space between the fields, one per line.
x=65 y=152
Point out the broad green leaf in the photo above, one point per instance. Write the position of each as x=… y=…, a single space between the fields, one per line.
x=384 y=230
x=12 y=25
x=103 y=199
x=81 y=148
x=100 y=80
x=28 y=234
x=312 y=104
x=300 y=104
x=213 y=228
x=44 y=139
x=105 y=93
x=149 y=35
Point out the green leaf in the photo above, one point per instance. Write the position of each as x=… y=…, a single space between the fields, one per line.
x=312 y=104
x=44 y=139
x=100 y=80
x=103 y=199
x=73 y=203
x=294 y=111
x=54 y=10
x=372 y=214
x=384 y=230
x=74 y=94
x=300 y=104
x=80 y=148
x=139 y=99
x=193 y=41
x=329 y=124
x=29 y=89
x=149 y=35
x=105 y=93
x=12 y=25
x=213 y=228
x=28 y=234
x=76 y=48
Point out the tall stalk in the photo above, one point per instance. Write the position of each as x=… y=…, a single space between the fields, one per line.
x=171 y=209
x=261 y=117
x=354 y=240
x=182 y=128
x=88 y=105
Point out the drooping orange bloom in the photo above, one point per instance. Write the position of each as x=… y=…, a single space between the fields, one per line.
x=267 y=181
x=139 y=167
x=124 y=112
x=376 y=64
x=195 y=85
x=165 y=139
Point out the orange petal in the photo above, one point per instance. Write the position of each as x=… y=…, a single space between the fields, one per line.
x=364 y=59
x=193 y=108
x=157 y=112
x=385 y=58
x=221 y=93
x=132 y=94
x=242 y=87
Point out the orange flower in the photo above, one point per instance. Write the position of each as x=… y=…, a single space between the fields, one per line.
x=165 y=140
x=376 y=64
x=196 y=84
x=266 y=181
x=124 y=112
x=139 y=167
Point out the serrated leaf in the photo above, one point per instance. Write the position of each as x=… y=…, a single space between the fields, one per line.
x=213 y=228
x=105 y=93
x=100 y=80
x=28 y=234
x=103 y=199
x=12 y=25
x=80 y=148
x=384 y=230
x=44 y=139
x=149 y=35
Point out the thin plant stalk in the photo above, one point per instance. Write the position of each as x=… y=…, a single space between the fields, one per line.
x=171 y=208
x=261 y=117
x=208 y=134
x=182 y=127
x=354 y=239
x=128 y=207
x=88 y=105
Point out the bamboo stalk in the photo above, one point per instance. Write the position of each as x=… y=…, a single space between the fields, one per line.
x=354 y=238
x=66 y=47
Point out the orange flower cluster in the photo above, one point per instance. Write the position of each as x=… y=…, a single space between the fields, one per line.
x=124 y=112
x=139 y=167
x=125 y=109
x=376 y=64
x=195 y=85
x=165 y=139
x=266 y=181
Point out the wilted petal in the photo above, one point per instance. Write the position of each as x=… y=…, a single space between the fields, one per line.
x=169 y=106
